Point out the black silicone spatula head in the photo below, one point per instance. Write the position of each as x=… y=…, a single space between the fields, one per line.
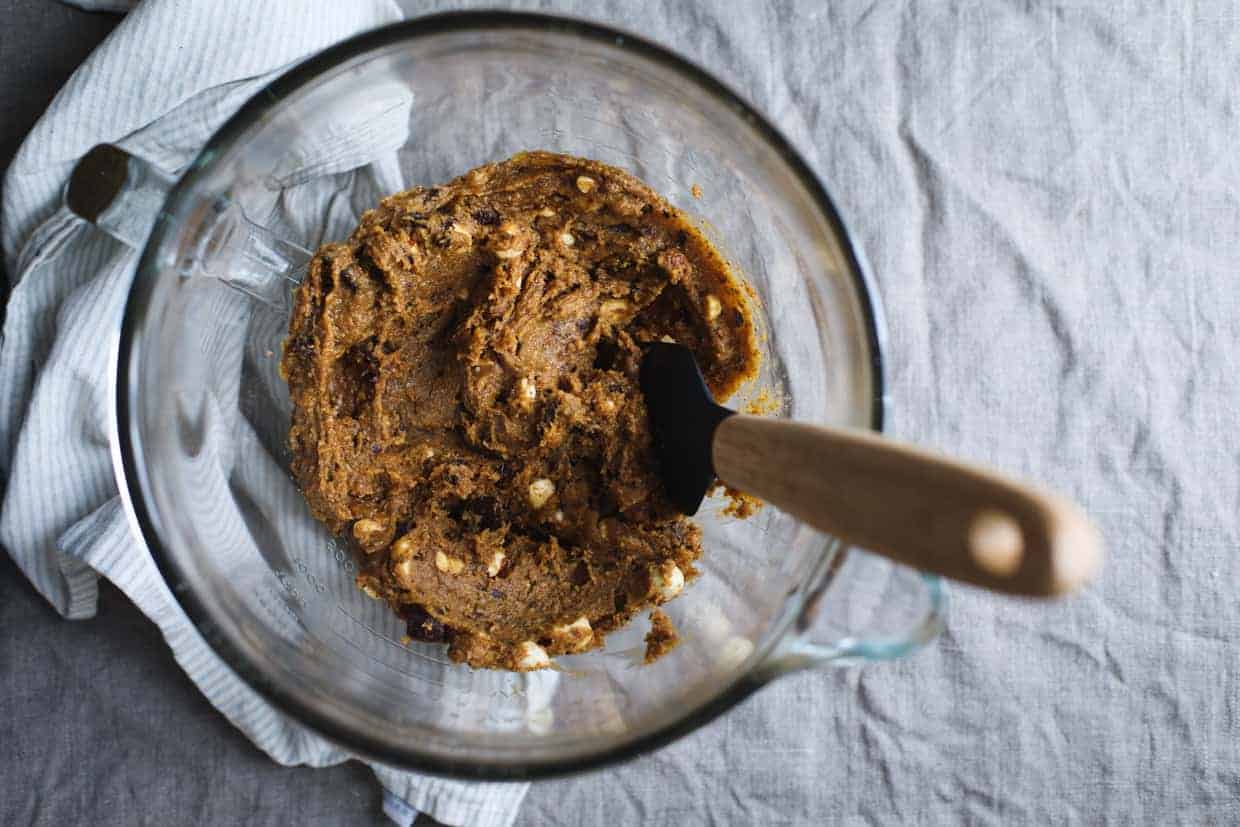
x=683 y=419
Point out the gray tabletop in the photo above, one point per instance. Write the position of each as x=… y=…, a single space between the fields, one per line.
x=1050 y=200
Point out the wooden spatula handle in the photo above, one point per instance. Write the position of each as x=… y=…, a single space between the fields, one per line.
x=910 y=505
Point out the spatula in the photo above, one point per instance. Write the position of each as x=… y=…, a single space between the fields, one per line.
x=909 y=505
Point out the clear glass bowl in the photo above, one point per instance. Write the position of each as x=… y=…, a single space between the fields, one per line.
x=203 y=413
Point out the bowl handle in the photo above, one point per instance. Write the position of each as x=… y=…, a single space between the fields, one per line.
x=118 y=193
x=866 y=609
x=124 y=196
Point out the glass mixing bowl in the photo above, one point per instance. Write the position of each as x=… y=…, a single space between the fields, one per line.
x=203 y=413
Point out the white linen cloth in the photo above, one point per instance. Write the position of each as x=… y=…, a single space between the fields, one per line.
x=165 y=79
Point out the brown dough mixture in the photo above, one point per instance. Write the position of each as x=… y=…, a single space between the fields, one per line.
x=464 y=371
x=661 y=638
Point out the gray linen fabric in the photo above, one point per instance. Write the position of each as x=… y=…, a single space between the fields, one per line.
x=1049 y=195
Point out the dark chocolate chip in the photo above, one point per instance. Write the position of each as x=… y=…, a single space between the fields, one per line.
x=419 y=625
x=605 y=354
x=486 y=216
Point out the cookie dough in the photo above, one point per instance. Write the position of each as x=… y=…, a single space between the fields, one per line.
x=463 y=371
x=661 y=638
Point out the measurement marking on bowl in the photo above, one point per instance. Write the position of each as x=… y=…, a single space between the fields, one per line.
x=286 y=580
x=311 y=578
x=402 y=647
x=276 y=604
x=393 y=667
x=341 y=556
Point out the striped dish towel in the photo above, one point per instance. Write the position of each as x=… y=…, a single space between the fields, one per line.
x=165 y=79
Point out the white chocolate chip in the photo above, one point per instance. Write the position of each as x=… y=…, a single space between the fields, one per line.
x=495 y=563
x=575 y=636
x=404 y=571
x=402 y=549
x=369 y=591
x=532 y=656
x=512 y=245
x=448 y=565
x=613 y=310
x=527 y=392
x=713 y=307
x=586 y=184
x=547 y=212
x=367 y=530
x=566 y=238
x=668 y=339
x=666 y=580
x=558 y=516
x=540 y=491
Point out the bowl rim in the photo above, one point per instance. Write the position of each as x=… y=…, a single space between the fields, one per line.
x=135 y=486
